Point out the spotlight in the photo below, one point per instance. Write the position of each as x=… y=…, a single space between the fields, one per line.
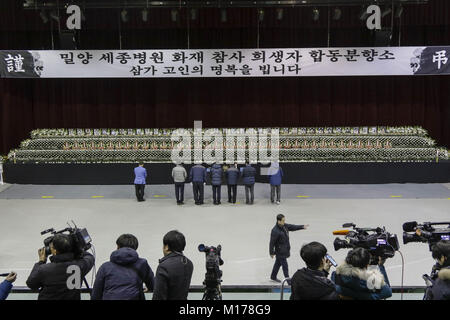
x=279 y=13
x=145 y=15
x=193 y=14
x=223 y=15
x=337 y=13
x=386 y=12
x=261 y=15
x=124 y=15
x=174 y=15
x=43 y=16
x=316 y=14
x=399 y=11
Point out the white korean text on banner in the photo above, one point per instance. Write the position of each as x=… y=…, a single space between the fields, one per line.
x=218 y=63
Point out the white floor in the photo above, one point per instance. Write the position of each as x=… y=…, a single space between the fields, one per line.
x=242 y=230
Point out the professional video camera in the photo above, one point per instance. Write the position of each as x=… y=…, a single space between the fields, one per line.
x=213 y=276
x=425 y=232
x=378 y=241
x=80 y=238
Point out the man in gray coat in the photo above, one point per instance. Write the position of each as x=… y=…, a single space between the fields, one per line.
x=179 y=176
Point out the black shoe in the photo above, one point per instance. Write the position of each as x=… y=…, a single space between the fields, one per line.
x=229 y=201
x=181 y=202
x=219 y=202
x=275 y=279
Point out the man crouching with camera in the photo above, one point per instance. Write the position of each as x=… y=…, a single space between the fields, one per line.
x=438 y=285
x=61 y=278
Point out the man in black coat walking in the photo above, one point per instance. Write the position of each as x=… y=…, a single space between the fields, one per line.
x=123 y=276
x=279 y=246
x=174 y=273
x=52 y=279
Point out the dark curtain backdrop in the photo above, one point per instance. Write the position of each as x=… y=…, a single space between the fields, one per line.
x=27 y=104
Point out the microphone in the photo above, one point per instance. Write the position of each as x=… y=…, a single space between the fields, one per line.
x=341 y=232
x=409 y=226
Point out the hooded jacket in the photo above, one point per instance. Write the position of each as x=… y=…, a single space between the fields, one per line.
x=216 y=174
x=362 y=284
x=275 y=174
x=122 y=277
x=441 y=287
x=308 y=284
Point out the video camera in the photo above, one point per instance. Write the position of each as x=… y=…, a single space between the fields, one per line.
x=80 y=239
x=414 y=232
x=213 y=276
x=378 y=241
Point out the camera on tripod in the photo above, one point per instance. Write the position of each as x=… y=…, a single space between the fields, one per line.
x=378 y=241
x=213 y=276
x=80 y=239
x=414 y=232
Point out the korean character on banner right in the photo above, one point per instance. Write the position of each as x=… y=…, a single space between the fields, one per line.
x=295 y=68
x=136 y=70
x=277 y=55
x=265 y=68
x=316 y=55
x=123 y=57
x=217 y=69
x=179 y=57
x=150 y=68
x=237 y=56
x=351 y=54
x=169 y=70
x=197 y=69
x=334 y=54
x=141 y=57
x=85 y=57
x=259 y=56
x=279 y=68
x=197 y=56
x=246 y=70
x=108 y=57
x=184 y=70
x=219 y=56
x=157 y=57
x=294 y=55
x=68 y=57
x=369 y=54
x=231 y=68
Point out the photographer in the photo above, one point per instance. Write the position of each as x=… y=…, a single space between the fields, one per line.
x=123 y=276
x=6 y=286
x=440 y=290
x=356 y=280
x=52 y=278
x=312 y=283
x=174 y=273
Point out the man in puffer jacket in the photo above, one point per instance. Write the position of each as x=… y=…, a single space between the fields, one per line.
x=232 y=175
x=356 y=279
x=216 y=181
x=123 y=276
x=197 y=176
x=248 y=174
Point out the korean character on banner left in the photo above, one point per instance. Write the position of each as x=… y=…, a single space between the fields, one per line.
x=85 y=57
x=277 y=55
x=197 y=69
x=246 y=70
x=197 y=56
x=265 y=68
x=279 y=68
x=316 y=55
x=259 y=56
x=369 y=54
x=184 y=70
x=68 y=57
x=386 y=55
x=231 y=68
x=237 y=56
x=123 y=57
x=217 y=69
x=157 y=57
x=294 y=55
x=179 y=57
x=141 y=57
x=151 y=69
x=351 y=54
x=219 y=56
x=136 y=70
x=169 y=70
x=295 y=68
x=334 y=54
x=108 y=57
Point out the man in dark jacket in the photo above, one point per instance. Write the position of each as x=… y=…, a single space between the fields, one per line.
x=174 y=273
x=248 y=174
x=197 y=176
x=6 y=286
x=232 y=175
x=312 y=283
x=123 y=276
x=280 y=247
x=216 y=181
x=439 y=289
x=52 y=279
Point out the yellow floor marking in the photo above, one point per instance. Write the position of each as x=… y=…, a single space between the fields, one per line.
x=303 y=196
x=47 y=197
x=396 y=196
x=97 y=196
x=159 y=196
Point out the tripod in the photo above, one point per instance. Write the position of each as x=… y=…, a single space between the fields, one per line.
x=213 y=290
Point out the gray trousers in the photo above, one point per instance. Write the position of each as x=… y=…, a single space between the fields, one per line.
x=272 y=192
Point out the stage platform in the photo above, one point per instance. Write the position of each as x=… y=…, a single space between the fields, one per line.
x=242 y=230
x=294 y=173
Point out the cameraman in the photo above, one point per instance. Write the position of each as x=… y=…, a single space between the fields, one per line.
x=52 y=278
x=312 y=283
x=174 y=273
x=6 y=286
x=123 y=276
x=354 y=279
x=440 y=290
